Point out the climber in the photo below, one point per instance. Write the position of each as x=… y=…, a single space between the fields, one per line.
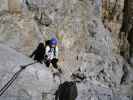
x=39 y=53
x=51 y=53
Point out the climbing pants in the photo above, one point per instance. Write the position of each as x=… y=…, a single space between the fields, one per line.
x=53 y=61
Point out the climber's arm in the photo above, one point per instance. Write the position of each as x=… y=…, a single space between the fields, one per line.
x=33 y=53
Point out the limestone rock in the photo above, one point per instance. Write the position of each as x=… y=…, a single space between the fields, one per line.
x=3 y=5
x=88 y=33
x=19 y=33
x=16 y=8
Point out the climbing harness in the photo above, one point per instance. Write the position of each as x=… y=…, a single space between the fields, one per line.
x=14 y=77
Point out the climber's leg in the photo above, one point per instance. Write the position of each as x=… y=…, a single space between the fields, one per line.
x=55 y=65
x=47 y=63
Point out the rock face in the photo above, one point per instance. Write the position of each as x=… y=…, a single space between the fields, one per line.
x=36 y=80
x=117 y=17
x=90 y=39
x=3 y=5
x=16 y=8
x=112 y=16
x=126 y=30
x=19 y=33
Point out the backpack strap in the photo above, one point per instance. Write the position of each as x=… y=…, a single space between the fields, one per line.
x=54 y=50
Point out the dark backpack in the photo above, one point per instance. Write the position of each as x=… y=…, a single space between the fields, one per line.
x=38 y=53
x=66 y=91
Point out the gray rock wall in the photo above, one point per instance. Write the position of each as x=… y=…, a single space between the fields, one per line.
x=86 y=41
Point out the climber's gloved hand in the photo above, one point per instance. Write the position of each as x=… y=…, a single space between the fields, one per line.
x=49 y=60
x=45 y=56
x=55 y=60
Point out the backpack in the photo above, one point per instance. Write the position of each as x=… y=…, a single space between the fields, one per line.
x=66 y=91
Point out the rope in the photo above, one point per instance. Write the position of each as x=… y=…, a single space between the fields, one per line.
x=14 y=77
x=48 y=93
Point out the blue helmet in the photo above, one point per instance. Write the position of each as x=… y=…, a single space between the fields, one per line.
x=53 y=41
